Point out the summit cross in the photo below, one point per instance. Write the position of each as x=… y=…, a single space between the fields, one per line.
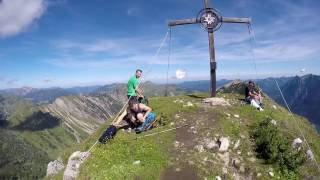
x=210 y=20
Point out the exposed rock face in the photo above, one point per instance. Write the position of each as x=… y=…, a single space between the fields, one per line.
x=236 y=86
x=215 y=101
x=236 y=116
x=83 y=114
x=297 y=143
x=310 y=155
x=54 y=167
x=210 y=144
x=199 y=148
x=271 y=174
x=223 y=144
x=237 y=144
x=236 y=163
x=73 y=168
x=189 y=104
x=274 y=122
x=225 y=157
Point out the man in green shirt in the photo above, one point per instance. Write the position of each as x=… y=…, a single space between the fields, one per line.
x=133 y=94
x=133 y=91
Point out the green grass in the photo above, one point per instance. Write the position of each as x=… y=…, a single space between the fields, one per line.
x=19 y=111
x=115 y=159
x=52 y=141
x=287 y=124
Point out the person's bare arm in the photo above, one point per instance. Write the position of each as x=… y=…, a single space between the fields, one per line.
x=145 y=108
x=251 y=94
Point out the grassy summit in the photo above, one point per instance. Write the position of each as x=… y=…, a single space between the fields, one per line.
x=187 y=152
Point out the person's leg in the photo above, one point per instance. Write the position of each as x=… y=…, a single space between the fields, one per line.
x=150 y=118
x=254 y=103
x=257 y=98
x=260 y=98
x=140 y=117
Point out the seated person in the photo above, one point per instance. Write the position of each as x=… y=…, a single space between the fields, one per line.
x=143 y=115
x=137 y=115
x=253 y=95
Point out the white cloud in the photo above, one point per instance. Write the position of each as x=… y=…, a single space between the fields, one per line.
x=99 y=46
x=277 y=41
x=17 y=15
x=115 y=46
x=81 y=63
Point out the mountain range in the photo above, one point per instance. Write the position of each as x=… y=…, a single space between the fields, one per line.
x=47 y=95
x=47 y=121
x=32 y=134
x=301 y=93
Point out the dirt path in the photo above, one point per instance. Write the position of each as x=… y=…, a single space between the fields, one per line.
x=183 y=148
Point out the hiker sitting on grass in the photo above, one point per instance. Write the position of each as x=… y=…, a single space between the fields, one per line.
x=253 y=96
x=139 y=115
x=143 y=116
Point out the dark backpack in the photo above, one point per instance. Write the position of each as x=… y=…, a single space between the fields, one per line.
x=143 y=100
x=108 y=134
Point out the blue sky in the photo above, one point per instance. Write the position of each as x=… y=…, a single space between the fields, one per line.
x=78 y=42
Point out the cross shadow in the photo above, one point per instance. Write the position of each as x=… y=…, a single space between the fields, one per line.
x=197 y=96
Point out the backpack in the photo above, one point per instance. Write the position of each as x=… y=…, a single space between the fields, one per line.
x=108 y=134
x=143 y=100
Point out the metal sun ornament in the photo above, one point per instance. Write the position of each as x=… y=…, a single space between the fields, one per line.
x=209 y=19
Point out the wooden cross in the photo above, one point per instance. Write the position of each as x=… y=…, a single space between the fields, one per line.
x=210 y=20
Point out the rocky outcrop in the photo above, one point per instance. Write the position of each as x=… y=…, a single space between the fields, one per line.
x=73 y=168
x=223 y=144
x=54 y=167
x=236 y=86
x=297 y=144
x=215 y=101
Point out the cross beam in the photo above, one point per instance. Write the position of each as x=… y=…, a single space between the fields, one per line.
x=196 y=21
x=211 y=21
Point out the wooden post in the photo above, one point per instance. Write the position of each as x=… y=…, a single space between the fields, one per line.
x=213 y=63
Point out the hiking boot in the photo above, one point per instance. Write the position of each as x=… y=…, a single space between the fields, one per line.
x=260 y=109
x=139 y=130
x=261 y=105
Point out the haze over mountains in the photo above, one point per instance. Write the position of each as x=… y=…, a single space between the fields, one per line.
x=302 y=93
